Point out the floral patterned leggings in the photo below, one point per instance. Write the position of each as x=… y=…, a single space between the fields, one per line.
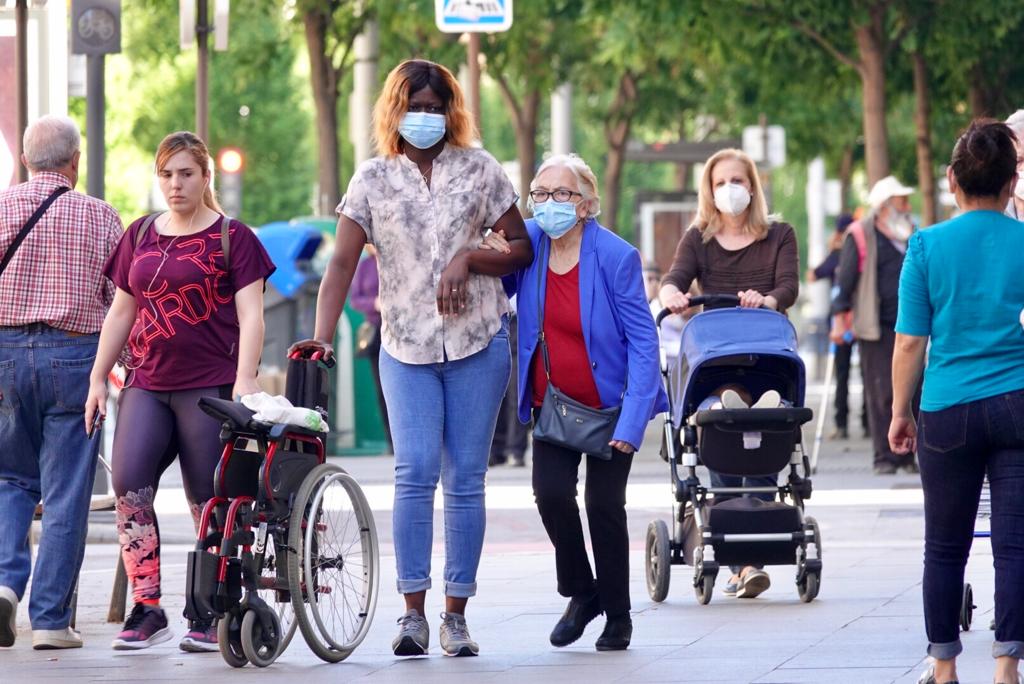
x=152 y=429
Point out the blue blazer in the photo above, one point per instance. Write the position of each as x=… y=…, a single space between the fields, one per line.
x=618 y=328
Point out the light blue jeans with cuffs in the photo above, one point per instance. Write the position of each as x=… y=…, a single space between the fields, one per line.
x=442 y=422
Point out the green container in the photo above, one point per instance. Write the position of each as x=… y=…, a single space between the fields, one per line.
x=369 y=437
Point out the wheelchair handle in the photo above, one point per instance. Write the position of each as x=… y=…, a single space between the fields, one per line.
x=315 y=355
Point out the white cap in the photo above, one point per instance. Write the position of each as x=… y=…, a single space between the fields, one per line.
x=886 y=189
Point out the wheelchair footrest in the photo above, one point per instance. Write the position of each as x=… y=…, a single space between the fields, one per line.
x=201 y=586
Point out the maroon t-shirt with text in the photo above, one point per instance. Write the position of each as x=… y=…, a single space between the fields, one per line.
x=186 y=331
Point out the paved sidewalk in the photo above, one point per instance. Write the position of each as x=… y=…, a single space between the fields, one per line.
x=866 y=625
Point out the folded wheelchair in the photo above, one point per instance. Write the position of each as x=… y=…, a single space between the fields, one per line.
x=715 y=526
x=287 y=541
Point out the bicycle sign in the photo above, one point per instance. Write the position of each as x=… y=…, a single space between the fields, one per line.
x=473 y=16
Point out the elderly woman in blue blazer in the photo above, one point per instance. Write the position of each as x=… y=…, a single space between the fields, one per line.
x=603 y=350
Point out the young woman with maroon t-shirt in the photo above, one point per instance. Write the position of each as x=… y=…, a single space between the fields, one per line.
x=193 y=324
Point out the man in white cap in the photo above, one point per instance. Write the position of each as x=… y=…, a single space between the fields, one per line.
x=868 y=278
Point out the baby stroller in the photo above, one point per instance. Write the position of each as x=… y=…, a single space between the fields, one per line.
x=754 y=348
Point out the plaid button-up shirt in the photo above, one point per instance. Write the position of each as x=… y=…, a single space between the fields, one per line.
x=56 y=276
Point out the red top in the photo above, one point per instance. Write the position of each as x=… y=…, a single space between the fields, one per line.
x=563 y=332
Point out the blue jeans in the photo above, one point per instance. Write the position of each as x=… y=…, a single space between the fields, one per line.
x=955 y=448
x=45 y=455
x=442 y=421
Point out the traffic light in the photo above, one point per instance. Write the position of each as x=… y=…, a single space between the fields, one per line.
x=231 y=163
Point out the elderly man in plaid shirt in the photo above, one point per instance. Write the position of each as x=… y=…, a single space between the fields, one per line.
x=52 y=302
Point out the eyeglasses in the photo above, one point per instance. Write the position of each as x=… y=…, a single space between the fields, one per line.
x=560 y=195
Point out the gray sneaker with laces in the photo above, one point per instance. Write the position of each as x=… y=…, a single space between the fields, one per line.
x=455 y=639
x=413 y=635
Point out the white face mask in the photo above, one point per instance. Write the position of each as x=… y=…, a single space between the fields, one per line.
x=732 y=199
x=1018 y=189
x=901 y=226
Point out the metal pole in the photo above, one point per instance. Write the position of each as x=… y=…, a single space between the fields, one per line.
x=21 y=62
x=94 y=116
x=202 y=83
x=364 y=82
x=473 y=58
x=561 y=119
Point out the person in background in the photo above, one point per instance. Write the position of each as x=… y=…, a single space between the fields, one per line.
x=192 y=317
x=671 y=329
x=867 y=302
x=735 y=247
x=53 y=297
x=425 y=203
x=972 y=406
x=827 y=270
x=510 y=436
x=365 y=298
x=1015 y=207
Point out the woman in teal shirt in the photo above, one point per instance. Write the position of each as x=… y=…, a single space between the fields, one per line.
x=961 y=290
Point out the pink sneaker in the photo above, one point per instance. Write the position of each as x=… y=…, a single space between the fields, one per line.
x=145 y=627
x=201 y=638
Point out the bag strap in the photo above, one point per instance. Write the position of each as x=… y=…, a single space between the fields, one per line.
x=542 y=267
x=29 y=225
x=225 y=241
x=141 y=231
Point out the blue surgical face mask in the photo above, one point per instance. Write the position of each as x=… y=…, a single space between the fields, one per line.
x=421 y=129
x=555 y=218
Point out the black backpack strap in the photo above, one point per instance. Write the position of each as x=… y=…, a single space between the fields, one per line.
x=225 y=241
x=144 y=228
x=29 y=225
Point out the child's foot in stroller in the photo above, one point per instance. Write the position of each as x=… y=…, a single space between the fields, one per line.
x=732 y=586
x=753 y=583
x=732 y=400
x=578 y=614
x=770 y=399
x=200 y=638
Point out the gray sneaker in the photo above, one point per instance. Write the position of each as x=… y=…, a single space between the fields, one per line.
x=455 y=639
x=413 y=635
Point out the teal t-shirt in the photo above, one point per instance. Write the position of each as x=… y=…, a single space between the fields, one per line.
x=962 y=285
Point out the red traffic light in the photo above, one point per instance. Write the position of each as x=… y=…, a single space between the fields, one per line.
x=230 y=160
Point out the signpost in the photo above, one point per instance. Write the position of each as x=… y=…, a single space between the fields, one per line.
x=95 y=32
x=473 y=17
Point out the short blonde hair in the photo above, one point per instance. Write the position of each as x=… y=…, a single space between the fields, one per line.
x=709 y=219
x=585 y=178
x=410 y=77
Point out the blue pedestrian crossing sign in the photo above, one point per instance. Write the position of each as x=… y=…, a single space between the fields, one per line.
x=473 y=16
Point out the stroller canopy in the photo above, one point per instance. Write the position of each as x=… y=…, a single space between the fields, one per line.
x=753 y=348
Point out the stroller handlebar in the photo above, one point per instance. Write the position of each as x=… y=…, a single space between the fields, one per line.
x=701 y=300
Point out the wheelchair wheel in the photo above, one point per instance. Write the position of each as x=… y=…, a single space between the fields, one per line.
x=260 y=644
x=967 y=608
x=229 y=640
x=658 y=560
x=334 y=578
x=269 y=588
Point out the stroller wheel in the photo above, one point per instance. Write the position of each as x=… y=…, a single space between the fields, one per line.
x=704 y=588
x=967 y=608
x=658 y=560
x=808 y=587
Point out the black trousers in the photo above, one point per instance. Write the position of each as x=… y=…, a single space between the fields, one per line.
x=843 y=360
x=555 y=476
x=876 y=359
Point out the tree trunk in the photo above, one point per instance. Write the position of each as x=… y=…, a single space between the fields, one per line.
x=923 y=135
x=845 y=179
x=871 y=47
x=325 y=97
x=616 y=131
x=526 y=143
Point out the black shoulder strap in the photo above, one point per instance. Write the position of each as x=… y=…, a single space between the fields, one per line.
x=144 y=228
x=29 y=225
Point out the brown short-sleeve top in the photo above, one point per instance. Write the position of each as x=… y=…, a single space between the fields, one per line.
x=417 y=230
x=769 y=266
